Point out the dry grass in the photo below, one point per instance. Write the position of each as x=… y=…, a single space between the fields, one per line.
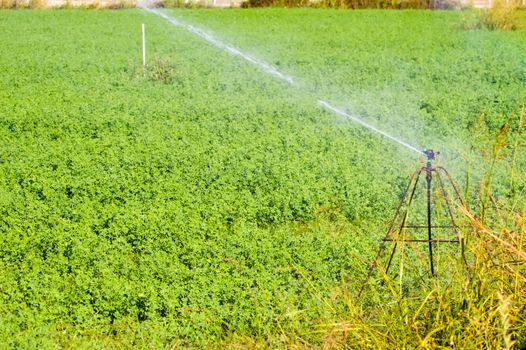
x=481 y=306
x=502 y=15
x=65 y=4
x=485 y=310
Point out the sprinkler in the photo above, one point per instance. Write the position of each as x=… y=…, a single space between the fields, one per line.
x=431 y=155
x=398 y=226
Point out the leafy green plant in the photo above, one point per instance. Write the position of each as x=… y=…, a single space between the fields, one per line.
x=223 y=206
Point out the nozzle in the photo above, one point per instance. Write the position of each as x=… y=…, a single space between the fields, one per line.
x=431 y=155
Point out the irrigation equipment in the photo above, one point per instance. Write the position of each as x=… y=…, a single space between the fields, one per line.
x=437 y=179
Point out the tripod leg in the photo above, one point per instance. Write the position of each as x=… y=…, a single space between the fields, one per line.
x=453 y=184
x=416 y=175
x=455 y=227
x=391 y=256
x=448 y=205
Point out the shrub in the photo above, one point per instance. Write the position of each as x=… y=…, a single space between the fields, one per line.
x=501 y=16
x=350 y=4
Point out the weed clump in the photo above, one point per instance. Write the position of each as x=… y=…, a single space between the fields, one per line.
x=162 y=70
x=501 y=15
x=159 y=69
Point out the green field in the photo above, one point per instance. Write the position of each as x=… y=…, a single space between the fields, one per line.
x=201 y=201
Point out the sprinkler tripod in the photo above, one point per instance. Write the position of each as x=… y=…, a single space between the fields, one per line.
x=395 y=232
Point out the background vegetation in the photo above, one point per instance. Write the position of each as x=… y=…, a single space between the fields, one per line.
x=199 y=202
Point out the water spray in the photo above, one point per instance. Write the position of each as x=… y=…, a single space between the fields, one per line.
x=342 y=113
x=269 y=69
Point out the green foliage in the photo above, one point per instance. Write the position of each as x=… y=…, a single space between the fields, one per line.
x=199 y=201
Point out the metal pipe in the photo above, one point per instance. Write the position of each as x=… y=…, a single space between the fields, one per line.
x=429 y=228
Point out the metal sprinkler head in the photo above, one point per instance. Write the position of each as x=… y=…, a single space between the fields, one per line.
x=431 y=155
